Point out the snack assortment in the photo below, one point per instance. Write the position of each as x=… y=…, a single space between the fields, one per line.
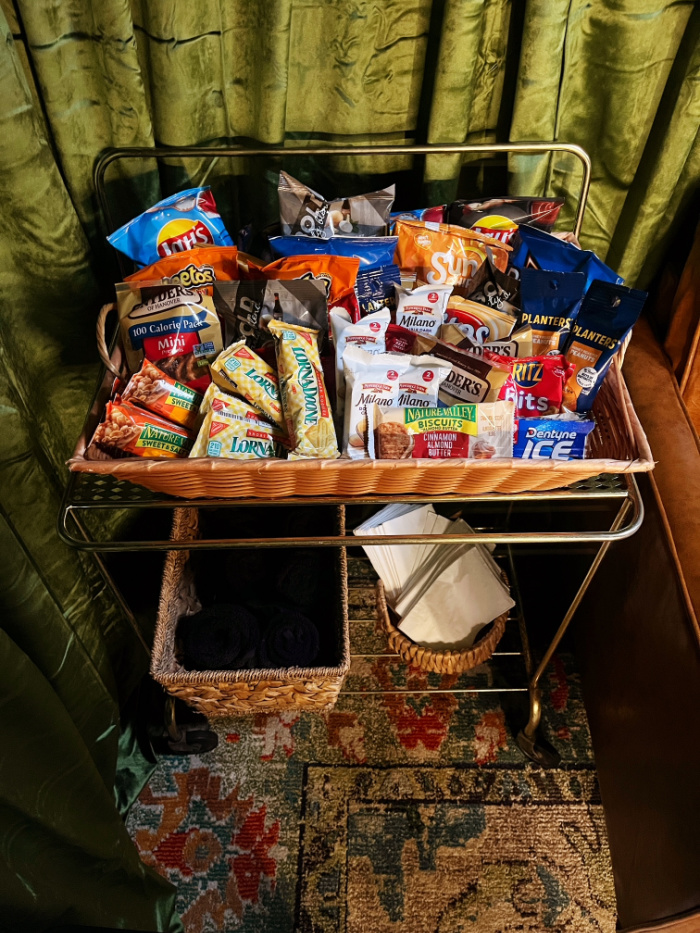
x=466 y=330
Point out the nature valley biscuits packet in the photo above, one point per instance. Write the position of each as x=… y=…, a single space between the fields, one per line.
x=304 y=398
x=193 y=268
x=479 y=432
x=128 y=430
x=239 y=369
x=224 y=433
x=479 y=322
x=422 y=309
x=440 y=254
x=176 y=328
x=162 y=395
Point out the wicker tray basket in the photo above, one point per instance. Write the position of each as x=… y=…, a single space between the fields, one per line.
x=439 y=662
x=617 y=445
x=230 y=693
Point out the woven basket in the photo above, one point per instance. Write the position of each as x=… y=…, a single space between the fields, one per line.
x=616 y=445
x=230 y=693
x=439 y=662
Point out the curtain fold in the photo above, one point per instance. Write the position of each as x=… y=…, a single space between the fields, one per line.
x=618 y=77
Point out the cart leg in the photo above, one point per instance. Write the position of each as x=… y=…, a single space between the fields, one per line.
x=527 y=738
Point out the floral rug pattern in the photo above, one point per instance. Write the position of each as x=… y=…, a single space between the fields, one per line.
x=394 y=811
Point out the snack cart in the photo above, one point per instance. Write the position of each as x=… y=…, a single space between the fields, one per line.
x=618 y=450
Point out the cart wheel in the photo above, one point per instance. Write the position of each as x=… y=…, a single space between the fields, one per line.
x=538 y=750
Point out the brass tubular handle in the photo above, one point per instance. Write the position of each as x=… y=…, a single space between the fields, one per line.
x=160 y=152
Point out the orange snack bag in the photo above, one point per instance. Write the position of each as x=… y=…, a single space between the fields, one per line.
x=130 y=430
x=441 y=254
x=338 y=273
x=151 y=388
x=193 y=268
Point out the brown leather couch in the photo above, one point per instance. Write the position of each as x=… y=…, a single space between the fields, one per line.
x=638 y=635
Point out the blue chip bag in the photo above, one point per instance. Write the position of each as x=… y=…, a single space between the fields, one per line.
x=551 y=439
x=372 y=251
x=536 y=249
x=183 y=221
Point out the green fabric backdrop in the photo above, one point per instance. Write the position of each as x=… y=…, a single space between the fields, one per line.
x=619 y=78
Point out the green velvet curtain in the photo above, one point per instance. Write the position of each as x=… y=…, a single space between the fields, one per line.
x=619 y=77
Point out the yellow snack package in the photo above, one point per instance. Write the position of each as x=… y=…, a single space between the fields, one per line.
x=216 y=400
x=225 y=434
x=239 y=369
x=303 y=391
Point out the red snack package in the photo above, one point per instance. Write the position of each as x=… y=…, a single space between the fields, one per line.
x=399 y=339
x=536 y=385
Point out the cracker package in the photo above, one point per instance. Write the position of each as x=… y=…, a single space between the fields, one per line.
x=193 y=268
x=607 y=315
x=128 y=430
x=479 y=432
x=216 y=399
x=387 y=380
x=176 y=328
x=550 y=303
x=162 y=395
x=304 y=211
x=536 y=385
x=480 y=323
x=239 y=369
x=440 y=254
x=304 y=398
x=519 y=343
x=224 y=433
x=422 y=309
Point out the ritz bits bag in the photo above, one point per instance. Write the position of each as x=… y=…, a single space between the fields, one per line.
x=440 y=254
x=305 y=400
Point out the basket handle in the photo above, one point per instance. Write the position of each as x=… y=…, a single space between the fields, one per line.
x=102 y=347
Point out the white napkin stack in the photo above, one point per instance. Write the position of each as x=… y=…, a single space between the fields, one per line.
x=443 y=593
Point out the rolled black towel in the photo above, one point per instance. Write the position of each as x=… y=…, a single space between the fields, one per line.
x=223 y=637
x=248 y=568
x=290 y=640
x=299 y=577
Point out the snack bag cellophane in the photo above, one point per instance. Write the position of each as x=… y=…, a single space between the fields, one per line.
x=441 y=254
x=193 y=268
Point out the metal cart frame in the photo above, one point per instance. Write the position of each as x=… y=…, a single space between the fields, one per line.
x=87 y=492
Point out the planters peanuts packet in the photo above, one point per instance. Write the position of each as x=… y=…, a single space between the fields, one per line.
x=535 y=249
x=551 y=439
x=183 y=221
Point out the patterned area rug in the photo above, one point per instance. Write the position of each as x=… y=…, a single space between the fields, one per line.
x=393 y=812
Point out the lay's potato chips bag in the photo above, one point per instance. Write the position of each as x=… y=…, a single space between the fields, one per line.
x=440 y=254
